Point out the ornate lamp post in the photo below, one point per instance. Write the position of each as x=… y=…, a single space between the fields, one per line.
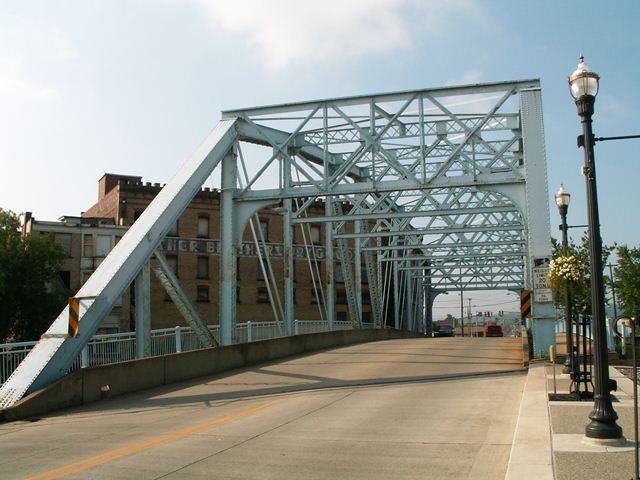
x=562 y=201
x=583 y=85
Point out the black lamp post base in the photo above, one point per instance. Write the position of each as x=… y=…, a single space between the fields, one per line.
x=603 y=431
x=603 y=424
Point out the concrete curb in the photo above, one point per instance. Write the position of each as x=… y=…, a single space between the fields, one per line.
x=531 y=456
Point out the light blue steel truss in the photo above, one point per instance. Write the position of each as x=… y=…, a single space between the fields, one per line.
x=431 y=190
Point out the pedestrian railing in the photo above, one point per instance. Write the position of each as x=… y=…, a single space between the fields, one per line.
x=119 y=347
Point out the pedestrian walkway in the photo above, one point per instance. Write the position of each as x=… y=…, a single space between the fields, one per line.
x=548 y=442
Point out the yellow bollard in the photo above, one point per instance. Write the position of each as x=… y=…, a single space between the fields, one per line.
x=552 y=356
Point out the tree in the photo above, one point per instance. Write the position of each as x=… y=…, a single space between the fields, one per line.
x=627 y=279
x=28 y=272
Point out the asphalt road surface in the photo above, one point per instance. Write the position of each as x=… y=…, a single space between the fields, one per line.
x=416 y=408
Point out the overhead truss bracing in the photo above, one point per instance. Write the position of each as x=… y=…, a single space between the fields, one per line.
x=427 y=173
x=438 y=189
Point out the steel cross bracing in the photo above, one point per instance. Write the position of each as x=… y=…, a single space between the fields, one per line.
x=447 y=183
x=180 y=299
x=348 y=276
x=441 y=176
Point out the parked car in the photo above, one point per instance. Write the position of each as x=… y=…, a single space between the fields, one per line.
x=493 y=331
x=444 y=331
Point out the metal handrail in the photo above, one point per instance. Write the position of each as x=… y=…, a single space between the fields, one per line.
x=108 y=348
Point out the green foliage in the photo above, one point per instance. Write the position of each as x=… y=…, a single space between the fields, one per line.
x=581 y=294
x=627 y=280
x=28 y=270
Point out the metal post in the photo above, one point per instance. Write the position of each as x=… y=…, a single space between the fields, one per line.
x=396 y=294
x=420 y=304
x=471 y=329
x=84 y=357
x=408 y=302
x=613 y=292
x=569 y=361
x=329 y=266
x=143 y=311
x=357 y=270
x=228 y=251
x=178 y=339
x=603 y=417
x=461 y=305
x=249 y=331
x=288 y=267
x=636 y=472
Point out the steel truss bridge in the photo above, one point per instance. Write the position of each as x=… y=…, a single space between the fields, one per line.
x=428 y=191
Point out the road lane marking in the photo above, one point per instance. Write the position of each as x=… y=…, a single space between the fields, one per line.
x=137 y=447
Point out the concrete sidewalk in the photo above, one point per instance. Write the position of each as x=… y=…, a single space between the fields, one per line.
x=548 y=439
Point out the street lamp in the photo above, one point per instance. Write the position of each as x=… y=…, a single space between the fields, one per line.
x=583 y=85
x=563 y=198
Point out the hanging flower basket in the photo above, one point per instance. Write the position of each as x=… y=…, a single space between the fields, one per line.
x=565 y=271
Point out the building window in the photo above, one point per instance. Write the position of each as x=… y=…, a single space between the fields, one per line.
x=263 y=295
x=172 y=261
x=315 y=294
x=64 y=240
x=203 y=226
x=341 y=297
x=137 y=213
x=315 y=234
x=173 y=231
x=203 y=293
x=203 y=267
x=237 y=294
x=341 y=316
x=87 y=245
x=260 y=271
x=339 y=273
x=264 y=228
x=103 y=245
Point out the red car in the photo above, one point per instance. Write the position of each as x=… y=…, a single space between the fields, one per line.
x=493 y=331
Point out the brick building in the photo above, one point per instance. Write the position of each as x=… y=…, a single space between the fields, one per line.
x=192 y=249
x=87 y=242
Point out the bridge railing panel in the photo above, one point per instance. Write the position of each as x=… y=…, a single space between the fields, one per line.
x=119 y=347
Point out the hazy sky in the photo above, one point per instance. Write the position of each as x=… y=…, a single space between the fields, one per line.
x=132 y=87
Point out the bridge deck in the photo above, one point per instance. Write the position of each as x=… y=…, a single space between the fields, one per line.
x=375 y=410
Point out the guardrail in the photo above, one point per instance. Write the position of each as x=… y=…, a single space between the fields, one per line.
x=119 y=347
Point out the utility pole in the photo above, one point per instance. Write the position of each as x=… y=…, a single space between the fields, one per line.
x=461 y=304
x=613 y=292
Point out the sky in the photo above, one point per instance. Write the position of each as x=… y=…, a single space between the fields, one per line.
x=133 y=87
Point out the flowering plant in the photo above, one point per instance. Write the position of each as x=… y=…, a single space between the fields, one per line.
x=565 y=271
